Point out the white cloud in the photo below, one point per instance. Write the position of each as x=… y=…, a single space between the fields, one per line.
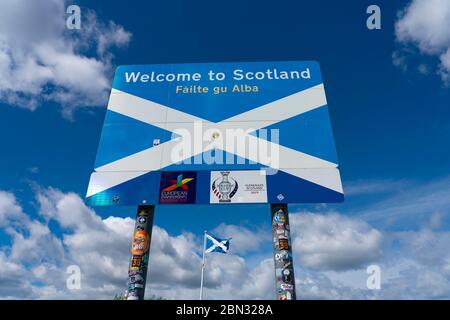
x=426 y=247
x=32 y=241
x=444 y=69
x=386 y=186
x=10 y=210
x=414 y=203
x=334 y=241
x=408 y=280
x=436 y=220
x=425 y=24
x=42 y=61
x=39 y=245
x=423 y=69
x=101 y=248
x=12 y=282
x=260 y=283
x=33 y=170
x=318 y=286
x=331 y=254
x=174 y=260
x=399 y=60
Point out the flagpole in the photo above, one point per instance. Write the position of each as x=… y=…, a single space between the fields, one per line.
x=203 y=265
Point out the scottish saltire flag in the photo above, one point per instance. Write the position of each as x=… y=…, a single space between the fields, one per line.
x=185 y=120
x=214 y=244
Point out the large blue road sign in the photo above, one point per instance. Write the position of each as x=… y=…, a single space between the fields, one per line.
x=250 y=132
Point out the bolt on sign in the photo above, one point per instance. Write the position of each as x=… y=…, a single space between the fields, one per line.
x=216 y=133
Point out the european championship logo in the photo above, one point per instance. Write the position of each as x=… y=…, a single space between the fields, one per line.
x=178 y=187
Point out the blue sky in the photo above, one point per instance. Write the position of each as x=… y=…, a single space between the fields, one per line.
x=388 y=97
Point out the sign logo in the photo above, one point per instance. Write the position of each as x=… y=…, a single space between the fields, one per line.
x=240 y=186
x=178 y=187
x=225 y=187
x=179 y=183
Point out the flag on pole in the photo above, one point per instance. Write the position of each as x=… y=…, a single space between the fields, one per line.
x=214 y=244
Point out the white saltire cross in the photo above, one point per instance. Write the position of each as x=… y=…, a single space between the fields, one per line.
x=216 y=244
x=294 y=162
